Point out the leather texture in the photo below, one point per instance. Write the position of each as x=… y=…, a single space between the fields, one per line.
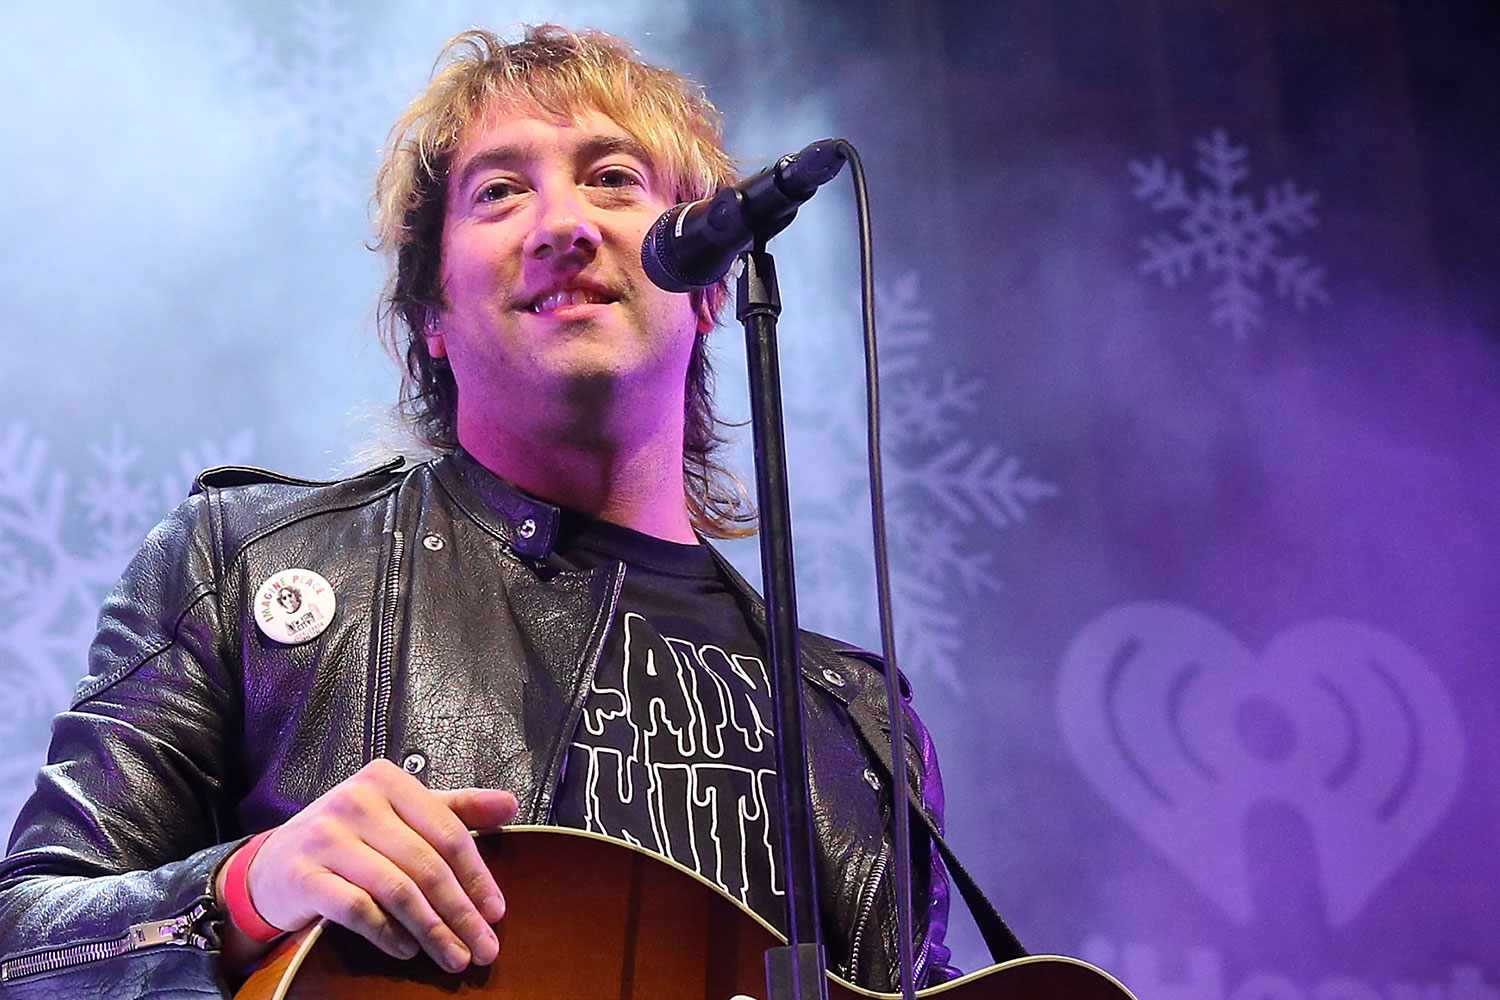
x=454 y=651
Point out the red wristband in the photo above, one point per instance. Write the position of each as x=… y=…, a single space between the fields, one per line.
x=242 y=911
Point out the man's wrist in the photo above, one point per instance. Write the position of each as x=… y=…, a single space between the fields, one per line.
x=232 y=891
x=239 y=952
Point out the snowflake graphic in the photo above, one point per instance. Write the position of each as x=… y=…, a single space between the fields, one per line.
x=1223 y=231
x=325 y=101
x=948 y=491
x=64 y=539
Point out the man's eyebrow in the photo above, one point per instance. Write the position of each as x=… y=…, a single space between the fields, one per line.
x=591 y=148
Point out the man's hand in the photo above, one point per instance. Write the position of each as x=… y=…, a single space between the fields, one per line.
x=392 y=860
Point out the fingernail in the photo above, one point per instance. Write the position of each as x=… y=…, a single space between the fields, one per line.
x=494 y=909
x=489 y=947
x=455 y=958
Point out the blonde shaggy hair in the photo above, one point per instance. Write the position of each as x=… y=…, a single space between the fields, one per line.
x=555 y=73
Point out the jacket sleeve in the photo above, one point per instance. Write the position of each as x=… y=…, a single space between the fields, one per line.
x=126 y=826
x=938 y=957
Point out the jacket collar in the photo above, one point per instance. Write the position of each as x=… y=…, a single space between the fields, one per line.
x=529 y=526
x=526 y=524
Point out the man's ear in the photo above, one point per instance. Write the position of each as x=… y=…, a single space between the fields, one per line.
x=433 y=335
x=700 y=310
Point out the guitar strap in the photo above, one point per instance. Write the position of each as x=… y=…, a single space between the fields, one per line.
x=998 y=937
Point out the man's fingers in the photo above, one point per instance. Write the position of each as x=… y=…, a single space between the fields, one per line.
x=349 y=905
x=481 y=808
x=401 y=898
x=438 y=878
x=466 y=809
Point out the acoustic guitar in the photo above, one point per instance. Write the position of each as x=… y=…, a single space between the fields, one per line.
x=591 y=918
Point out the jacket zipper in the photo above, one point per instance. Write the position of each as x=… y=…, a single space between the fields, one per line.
x=919 y=967
x=862 y=918
x=559 y=750
x=387 y=646
x=178 y=930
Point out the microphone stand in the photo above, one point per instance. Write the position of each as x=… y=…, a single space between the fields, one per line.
x=795 y=971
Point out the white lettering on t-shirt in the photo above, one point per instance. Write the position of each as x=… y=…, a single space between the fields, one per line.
x=685 y=712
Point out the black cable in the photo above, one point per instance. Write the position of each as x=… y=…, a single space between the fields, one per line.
x=894 y=699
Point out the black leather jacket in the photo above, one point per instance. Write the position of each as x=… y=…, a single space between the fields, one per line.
x=454 y=650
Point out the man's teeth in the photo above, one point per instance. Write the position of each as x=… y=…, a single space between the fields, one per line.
x=570 y=297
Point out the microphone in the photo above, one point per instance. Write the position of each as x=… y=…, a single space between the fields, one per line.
x=695 y=243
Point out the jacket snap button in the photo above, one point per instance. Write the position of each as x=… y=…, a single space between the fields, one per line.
x=414 y=763
x=527 y=528
x=833 y=677
x=433 y=542
x=872 y=779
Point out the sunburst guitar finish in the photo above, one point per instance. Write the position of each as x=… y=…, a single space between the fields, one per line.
x=591 y=918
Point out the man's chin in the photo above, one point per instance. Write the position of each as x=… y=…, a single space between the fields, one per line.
x=584 y=374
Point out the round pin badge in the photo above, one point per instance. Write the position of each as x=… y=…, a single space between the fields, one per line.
x=294 y=606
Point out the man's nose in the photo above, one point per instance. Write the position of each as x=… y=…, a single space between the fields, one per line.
x=563 y=229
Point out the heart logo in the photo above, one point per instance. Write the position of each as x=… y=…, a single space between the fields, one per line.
x=1184 y=729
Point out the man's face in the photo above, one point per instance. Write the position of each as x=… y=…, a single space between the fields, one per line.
x=546 y=301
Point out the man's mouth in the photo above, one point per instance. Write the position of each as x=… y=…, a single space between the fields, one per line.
x=569 y=297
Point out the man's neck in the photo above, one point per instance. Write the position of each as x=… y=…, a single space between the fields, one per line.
x=636 y=484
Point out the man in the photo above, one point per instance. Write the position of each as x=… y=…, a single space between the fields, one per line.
x=527 y=627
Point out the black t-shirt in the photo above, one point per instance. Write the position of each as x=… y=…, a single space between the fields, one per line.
x=675 y=750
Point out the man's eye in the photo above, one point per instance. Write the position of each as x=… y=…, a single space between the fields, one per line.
x=617 y=177
x=496 y=191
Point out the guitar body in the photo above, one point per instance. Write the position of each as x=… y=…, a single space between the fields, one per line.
x=592 y=918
